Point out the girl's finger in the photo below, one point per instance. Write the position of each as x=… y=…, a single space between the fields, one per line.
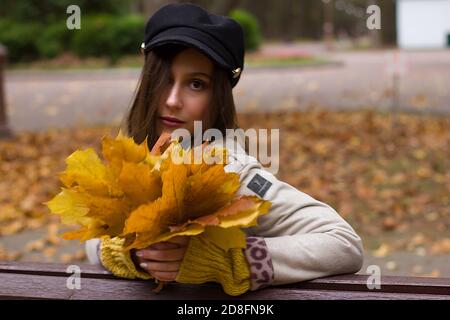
x=162 y=255
x=163 y=246
x=152 y=266
x=180 y=240
x=164 y=276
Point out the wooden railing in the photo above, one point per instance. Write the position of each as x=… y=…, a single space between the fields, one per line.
x=53 y=281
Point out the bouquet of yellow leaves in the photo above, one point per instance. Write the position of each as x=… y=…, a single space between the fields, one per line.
x=148 y=196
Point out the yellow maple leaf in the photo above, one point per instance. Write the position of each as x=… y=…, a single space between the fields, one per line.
x=202 y=161
x=168 y=209
x=242 y=212
x=210 y=190
x=115 y=151
x=151 y=196
x=149 y=218
x=84 y=168
x=70 y=205
x=98 y=215
x=138 y=182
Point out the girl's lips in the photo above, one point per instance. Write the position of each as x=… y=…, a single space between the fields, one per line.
x=171 y=122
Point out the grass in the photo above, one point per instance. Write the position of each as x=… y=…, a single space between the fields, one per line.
x=286 y=62
x=71 y=62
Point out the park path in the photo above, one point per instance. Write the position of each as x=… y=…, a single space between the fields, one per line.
x=356 y=79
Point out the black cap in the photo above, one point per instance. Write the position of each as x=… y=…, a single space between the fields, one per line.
x=220 y=38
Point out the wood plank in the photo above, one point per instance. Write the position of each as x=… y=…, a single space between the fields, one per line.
x=280 y=294
x=53 y=269
x=395 y=284
x=344 y=283
x=51 y=287
x=341 y=282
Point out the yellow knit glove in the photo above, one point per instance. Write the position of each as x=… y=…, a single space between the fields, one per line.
x=204 y=261
x=119 y=262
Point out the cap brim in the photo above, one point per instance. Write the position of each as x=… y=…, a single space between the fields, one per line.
x=190 y=37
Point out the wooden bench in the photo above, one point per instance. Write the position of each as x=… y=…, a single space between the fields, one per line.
x=49 y=281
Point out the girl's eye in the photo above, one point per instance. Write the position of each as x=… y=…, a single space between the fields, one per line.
x=197 y=85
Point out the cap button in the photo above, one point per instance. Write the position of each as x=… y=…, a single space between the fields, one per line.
x=236 y=72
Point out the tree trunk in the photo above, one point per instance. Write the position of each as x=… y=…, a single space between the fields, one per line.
x=5 y=132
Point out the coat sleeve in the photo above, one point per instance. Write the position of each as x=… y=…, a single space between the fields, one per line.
x=92 y=247
x=305 y=238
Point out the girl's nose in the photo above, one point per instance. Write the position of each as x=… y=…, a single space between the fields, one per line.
x=174 y=98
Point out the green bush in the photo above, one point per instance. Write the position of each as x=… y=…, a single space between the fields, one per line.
x=94 y=37
x=100 y=36
x=250 y=25
x=108 y=36
x=19 y=39
x=54 y=40
x=127 y=33
x=52 y=11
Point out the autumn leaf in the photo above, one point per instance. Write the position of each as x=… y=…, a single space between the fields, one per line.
x=160 y=144
x=85 y=169
x=138 y=182
x=98 y=215
x=149 y=218
x=151 y=196
x=71 y=206
x=240 y=213
x=210 y=190
x=121 y=149
x=174 y=189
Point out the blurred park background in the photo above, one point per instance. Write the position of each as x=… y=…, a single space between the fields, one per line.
x=363 y=113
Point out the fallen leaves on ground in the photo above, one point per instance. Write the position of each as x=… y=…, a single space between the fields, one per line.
x=392 y=183
x=389 y=179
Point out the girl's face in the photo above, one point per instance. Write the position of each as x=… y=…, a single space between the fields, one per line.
x=188 y=94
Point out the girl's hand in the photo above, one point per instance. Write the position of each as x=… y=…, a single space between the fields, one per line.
x=162 y=260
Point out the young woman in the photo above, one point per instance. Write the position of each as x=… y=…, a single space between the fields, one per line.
x=193 y=59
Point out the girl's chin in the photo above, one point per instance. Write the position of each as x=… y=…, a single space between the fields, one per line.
x=170 y=129
x=165 y=130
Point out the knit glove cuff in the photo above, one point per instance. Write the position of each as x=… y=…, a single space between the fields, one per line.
x=117 y=261
x=204 y=261
x=260 y=262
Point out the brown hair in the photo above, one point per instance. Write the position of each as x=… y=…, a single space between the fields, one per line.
x=155 y=76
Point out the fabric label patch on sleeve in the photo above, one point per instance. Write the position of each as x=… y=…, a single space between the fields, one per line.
x=259 y=185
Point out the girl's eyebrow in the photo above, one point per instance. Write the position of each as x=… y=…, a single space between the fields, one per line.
x=200 y=74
